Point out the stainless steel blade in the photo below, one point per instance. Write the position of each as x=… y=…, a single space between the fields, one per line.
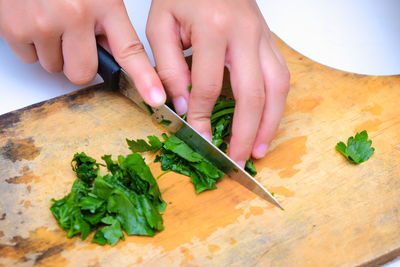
x=197 y=142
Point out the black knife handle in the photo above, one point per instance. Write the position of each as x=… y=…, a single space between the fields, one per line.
x=108 y=68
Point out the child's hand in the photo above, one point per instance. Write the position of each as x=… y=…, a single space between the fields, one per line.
x=221 y=32
x=62 y=36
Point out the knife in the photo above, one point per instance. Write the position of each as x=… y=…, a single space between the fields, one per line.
x=115 y=78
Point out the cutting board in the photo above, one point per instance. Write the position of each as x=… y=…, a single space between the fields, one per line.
x=336 y=213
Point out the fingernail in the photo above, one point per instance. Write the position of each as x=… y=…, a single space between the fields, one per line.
x=241 y=163
x=157 y=96
x=206 y=136
x=180 y=105
x=260 y=151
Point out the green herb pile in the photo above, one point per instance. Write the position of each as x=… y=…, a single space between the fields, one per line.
x=127 y=198
x=177 y=156
x=358 y=148
x=221 y=121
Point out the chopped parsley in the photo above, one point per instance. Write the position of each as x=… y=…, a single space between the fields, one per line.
x=177 y=156
x=221 y=121
x=126 y=199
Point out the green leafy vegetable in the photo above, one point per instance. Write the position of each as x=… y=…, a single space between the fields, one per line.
x=221 y=121
x=250 y=168
x=140 y=145
x=85 y=167
x=177 y=156
x=128 y=198
x=358 y=148
x=109 y=234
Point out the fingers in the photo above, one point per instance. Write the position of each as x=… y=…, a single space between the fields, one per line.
x=129 y=52
x=207 y=74
x=277 y=83
x=80 y=54
x=25 y=52
x=271 y=41
x=164 y=38
x=248 y=88
x=49 y=53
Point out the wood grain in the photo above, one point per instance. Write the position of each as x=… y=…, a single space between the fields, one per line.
x=335 y=213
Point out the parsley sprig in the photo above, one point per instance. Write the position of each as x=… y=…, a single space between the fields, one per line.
x=358 y=148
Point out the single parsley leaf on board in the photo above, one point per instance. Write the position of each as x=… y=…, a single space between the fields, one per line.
x=358 y=148
x=141 y=145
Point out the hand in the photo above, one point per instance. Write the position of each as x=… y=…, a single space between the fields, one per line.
x=62 y=36
x=221 y=32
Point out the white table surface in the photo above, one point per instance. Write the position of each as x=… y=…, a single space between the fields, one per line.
x=361 y=36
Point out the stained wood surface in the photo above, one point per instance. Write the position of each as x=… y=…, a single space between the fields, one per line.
x=335 y=213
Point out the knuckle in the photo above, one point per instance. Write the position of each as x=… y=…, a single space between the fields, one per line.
x=76 y=11
x=75 y=7
x=199 y=116
x=208 y=92
x=131 y=49
x=42 y=27
x=169 y=75
x=219 y=21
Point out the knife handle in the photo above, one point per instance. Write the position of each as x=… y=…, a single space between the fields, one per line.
x=108 y=68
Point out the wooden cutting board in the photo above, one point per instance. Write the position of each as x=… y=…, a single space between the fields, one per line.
x=335 y=213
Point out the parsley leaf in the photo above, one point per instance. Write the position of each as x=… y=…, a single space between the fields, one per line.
x=358 y=148
x=140 y=145
x=109 y=234
x=85 y=167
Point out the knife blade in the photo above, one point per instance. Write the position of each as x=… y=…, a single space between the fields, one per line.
x=116 y=78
